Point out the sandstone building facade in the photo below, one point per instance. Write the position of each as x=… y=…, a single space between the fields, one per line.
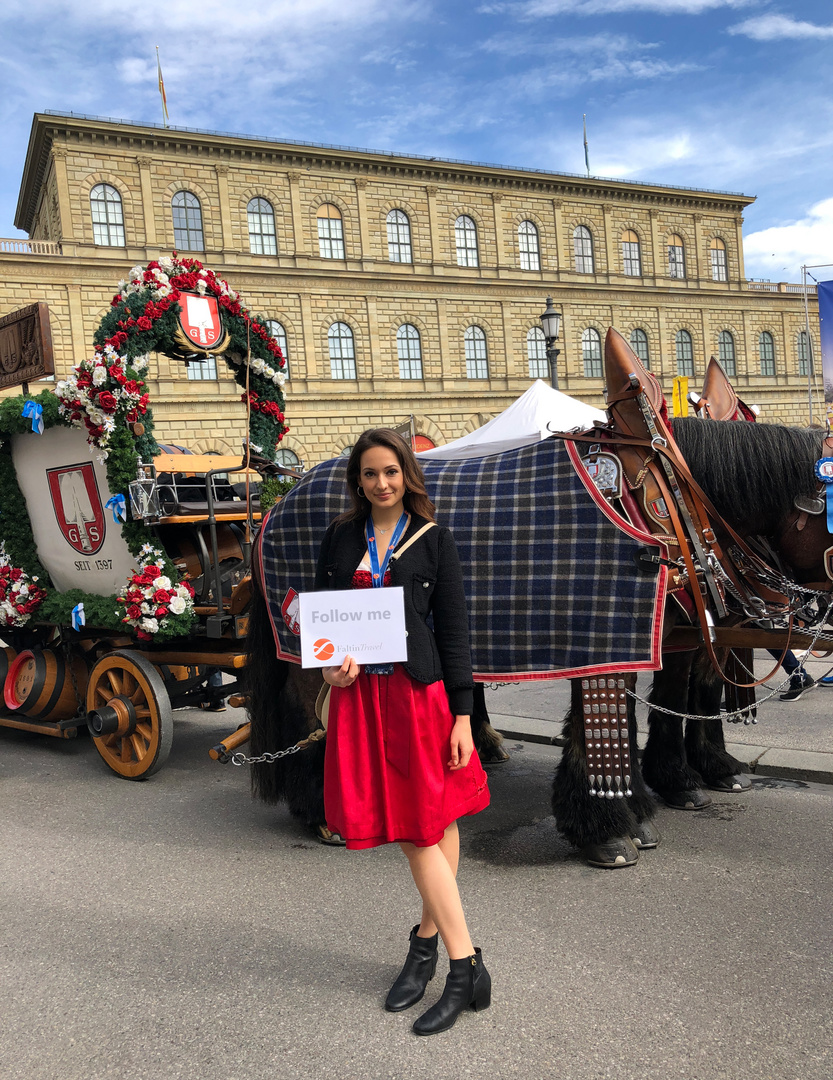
x=399 y=285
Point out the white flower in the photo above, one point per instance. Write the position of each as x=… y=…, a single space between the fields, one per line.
x=150 y=625
x=139 y=363
x=257 y=365
x=162 y=582
x=99 y=375
x=177 y=605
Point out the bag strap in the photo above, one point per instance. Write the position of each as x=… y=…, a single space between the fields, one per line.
x=413 y=540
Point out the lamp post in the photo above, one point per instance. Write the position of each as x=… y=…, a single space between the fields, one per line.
x=551 y=325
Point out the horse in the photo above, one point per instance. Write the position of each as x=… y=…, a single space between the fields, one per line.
x=752 y=474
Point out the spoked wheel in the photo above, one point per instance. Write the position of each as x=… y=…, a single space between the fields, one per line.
x=129 y=715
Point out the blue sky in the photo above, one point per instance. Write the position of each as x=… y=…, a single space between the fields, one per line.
x=729 y=94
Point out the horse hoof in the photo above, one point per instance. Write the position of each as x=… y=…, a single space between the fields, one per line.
x=645 y=835
x=612 y=854
x=326 y=836
x=731 y=783
x=695 y=799
x=494 y=756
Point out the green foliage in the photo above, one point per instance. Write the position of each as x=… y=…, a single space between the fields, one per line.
x=273 y=488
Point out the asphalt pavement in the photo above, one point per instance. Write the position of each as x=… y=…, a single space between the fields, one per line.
x=177 y=928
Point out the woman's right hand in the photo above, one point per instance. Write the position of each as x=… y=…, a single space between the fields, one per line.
x=342 y=676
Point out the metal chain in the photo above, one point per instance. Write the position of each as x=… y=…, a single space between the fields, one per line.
x=240 y=758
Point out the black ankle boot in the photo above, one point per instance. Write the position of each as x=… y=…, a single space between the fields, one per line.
x=467 y=986
x=419 y=968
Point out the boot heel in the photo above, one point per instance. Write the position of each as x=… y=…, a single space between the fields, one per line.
x=483 y=1000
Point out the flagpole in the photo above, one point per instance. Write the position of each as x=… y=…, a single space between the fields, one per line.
x=586 y=151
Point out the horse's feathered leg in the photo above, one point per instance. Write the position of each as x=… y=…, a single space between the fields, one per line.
x=486 y=739
x=281 y=707
x=596 y=825
x=665 y=765
x=704 y=743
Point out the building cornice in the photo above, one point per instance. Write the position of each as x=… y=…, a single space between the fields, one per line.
x=223 y=148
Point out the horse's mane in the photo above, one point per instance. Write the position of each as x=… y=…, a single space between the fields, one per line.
x=751 y=472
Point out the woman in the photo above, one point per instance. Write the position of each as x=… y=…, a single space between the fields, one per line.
x=400 y=763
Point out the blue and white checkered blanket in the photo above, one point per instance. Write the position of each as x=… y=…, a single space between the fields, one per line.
x=552 y=582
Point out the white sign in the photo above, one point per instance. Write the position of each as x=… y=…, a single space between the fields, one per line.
x=367 y=624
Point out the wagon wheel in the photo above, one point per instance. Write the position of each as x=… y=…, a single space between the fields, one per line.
x=129 y=715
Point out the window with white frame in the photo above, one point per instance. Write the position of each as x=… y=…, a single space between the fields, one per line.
x=631 y=258
x=805 y=365
x=766 y=351
x=583 y=250
x=477 y=361
x=342 y=351
x=465 y=236
x=536 y=353
x=409 y=351
x=676 y=256
x=202 y=370
x=726 y=352
x=187 y=214
x=685 y=353
x=399 y=237
x=330 y=232
x=717 y=254
x=528 y=246
x=107 y=215
x=277 y=331
x=639 y=344
x=287 y=457
x=262 y=236
x=591 y=353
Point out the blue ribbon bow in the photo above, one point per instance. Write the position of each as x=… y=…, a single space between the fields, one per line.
x=78 y=617
x=824 y=472
x=33 y=411
x=117 y=504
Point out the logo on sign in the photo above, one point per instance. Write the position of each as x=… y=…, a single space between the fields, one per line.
x=323 y=649
x=77 y=504
x=200 y=320
x=289 y=610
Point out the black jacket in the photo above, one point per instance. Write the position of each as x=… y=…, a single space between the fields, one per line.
x=429 y=573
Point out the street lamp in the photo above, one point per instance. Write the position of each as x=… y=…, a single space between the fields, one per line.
x=551 y=325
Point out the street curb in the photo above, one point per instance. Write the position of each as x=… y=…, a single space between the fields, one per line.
x=807 y=765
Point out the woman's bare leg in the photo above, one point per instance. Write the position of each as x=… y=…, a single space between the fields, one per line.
x=433 y=870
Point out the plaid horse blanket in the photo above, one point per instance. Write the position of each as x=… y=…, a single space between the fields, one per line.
x=550 y=571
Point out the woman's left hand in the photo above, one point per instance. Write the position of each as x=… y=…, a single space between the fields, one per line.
x=462 y=743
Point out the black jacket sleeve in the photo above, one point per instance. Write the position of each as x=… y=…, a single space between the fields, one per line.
x=451 y=629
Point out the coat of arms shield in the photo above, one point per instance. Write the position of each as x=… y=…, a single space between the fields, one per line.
x=201 y=323
x=77 y=506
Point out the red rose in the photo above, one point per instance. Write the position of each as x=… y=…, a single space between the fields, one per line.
x=161 y=612
x=107 y=402
x=161 y=596
x=142 y=635
x=134 y=611
x=143 y=403
x=131 y=386
x=189 y=588
x=144 y=323
x=152 y=572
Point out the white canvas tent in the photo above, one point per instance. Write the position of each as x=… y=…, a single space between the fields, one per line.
x=524 y=422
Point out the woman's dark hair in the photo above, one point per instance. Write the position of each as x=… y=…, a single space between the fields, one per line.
x=416 y=499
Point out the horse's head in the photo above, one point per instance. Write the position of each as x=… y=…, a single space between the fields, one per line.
x=806 y=545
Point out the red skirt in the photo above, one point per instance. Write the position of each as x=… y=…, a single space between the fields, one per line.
x=386 y=773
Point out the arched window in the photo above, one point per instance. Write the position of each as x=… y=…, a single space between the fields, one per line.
x=330 y=232
x=805 y=355
x=639 y=344
x=187 y=214
x=201 y=370
x=766 y=351
x=399 y=237
x=536 y=352
x=342 y=351
x=277 y=331
x=717 y=253
x=726 y=352
x=591 y=352
x=477 y=362
x=108 y=219
x=409 y=351
x=631 y=259
x=285 y=456
x=262 y=237
x=583 y=250
x=465 y=236
x=676 y=256
x=528 y=246
x=685 y=353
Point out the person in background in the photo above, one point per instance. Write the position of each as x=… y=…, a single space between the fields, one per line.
x=800 y=681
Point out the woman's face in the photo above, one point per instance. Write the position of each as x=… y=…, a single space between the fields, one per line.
x=380 y=476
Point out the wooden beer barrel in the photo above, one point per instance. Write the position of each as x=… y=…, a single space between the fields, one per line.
x=39 y=685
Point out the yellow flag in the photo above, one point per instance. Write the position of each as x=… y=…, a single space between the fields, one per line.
x=680 y=399
x=162 y=88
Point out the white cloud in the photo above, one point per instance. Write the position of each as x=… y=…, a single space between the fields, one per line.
x=779 y=252
x=779 y=27
x=534 y=9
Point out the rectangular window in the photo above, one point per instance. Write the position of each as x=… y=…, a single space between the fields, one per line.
x=201 y=370
x=330 y=238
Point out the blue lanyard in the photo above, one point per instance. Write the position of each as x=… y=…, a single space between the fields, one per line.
x=377 y=574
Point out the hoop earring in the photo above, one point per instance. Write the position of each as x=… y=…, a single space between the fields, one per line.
x=360 y=490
